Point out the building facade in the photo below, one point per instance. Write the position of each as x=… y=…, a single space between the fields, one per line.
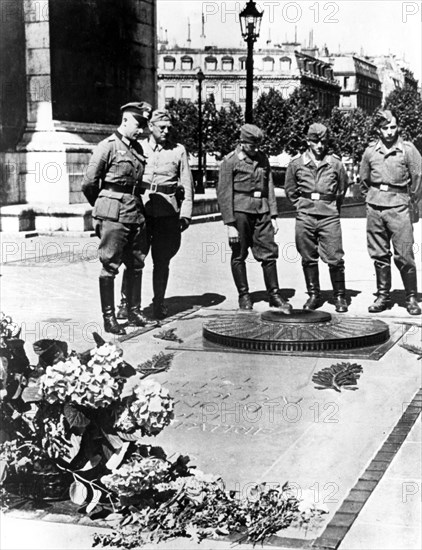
x=394 y=74
x=283 y=68
x=359 y=80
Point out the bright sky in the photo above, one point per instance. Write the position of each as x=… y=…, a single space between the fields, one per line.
x=374 y=26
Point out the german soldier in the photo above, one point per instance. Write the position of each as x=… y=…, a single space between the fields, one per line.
x=390 y=175
x=167 y=189
x=248 y=206
x=112 y=185
x=316 y=183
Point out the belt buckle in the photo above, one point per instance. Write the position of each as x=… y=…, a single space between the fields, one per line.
x=383 y=187
x=153 y=188
x=257 y=194
x=315 y=196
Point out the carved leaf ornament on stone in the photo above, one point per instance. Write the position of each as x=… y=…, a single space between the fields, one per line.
x=337 y=377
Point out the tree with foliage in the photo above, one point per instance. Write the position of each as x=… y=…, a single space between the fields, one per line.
x=228 y=123
x=286 y=121
x=184 y=117
x=349 y=132
x=303 y=110
x=407 y=103
x=270 y=114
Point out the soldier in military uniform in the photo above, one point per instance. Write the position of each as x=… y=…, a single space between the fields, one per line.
x=390 y=174
x=112 y=185
x=248 y=206
x=316 y=183
x=167 y=189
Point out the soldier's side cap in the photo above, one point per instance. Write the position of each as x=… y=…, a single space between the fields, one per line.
x=383 y=117
x=249 y=133
x=160 y=115
x=317 y=131
x=141 y=110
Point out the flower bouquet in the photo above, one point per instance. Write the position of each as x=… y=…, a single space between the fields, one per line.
x=72 y=415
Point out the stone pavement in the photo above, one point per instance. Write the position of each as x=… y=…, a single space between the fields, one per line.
x=250 y=417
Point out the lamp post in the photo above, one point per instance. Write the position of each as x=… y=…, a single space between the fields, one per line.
x=250 y=25
x=200 y=177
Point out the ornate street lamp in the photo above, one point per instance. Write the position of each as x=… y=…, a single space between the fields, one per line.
x=200 y=178
x=250 y=25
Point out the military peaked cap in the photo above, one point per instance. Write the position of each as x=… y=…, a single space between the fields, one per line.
x=160 y=115
x=249 y=133
x=140 y=110
x=317 y=131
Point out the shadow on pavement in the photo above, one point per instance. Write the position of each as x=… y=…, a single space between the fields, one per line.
x=328 y=296
x=399 y=297
x=178 y=304
x=262 y=296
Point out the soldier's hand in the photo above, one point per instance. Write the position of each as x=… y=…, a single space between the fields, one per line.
x=233 y=234
x=275 y=225
x=183 y=224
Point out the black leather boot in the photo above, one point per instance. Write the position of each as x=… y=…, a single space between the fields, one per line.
x=107 y=305
x=160 y=275
x=241 y=281
x=271 y=284
x=410 y=287
x=311 y=273
x=134 y=284
x=339 y=288
x=383 y=301
x=122 y=309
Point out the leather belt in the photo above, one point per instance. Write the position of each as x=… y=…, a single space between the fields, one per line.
x=319 y=196
x=392 y=188
x=169 y=189
x=129 y=189
x=254 y=194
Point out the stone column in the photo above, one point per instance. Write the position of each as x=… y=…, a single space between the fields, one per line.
x=69 y=65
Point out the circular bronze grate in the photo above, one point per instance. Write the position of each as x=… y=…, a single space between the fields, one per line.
x=301 y=331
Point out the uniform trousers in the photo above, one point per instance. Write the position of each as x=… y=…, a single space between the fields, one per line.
x=256 y=232
x=319 y=237
x=163 y=239
x=385 y=225
x=120 y=243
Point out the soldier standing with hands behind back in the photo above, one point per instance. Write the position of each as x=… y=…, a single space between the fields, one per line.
x=112 y=185
x=316 y=183
x=390 y=174
x=248 y=207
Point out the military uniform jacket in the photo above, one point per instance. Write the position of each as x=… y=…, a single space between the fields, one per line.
x=240 y=179
x=120 y=162
x=328 y=178
x=167 y=165
x=396 y=169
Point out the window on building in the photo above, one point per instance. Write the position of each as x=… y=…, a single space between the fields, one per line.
x=268 y=63
x=242 y=63
x=285 y=64
x=242 y=93
x=210 y=91
x=229 y=93
x=187 y=63
x=211 y=63
x=227 y=63
x=169 y=93
x=345 y=82
x=169 y=63
x=187 y=92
